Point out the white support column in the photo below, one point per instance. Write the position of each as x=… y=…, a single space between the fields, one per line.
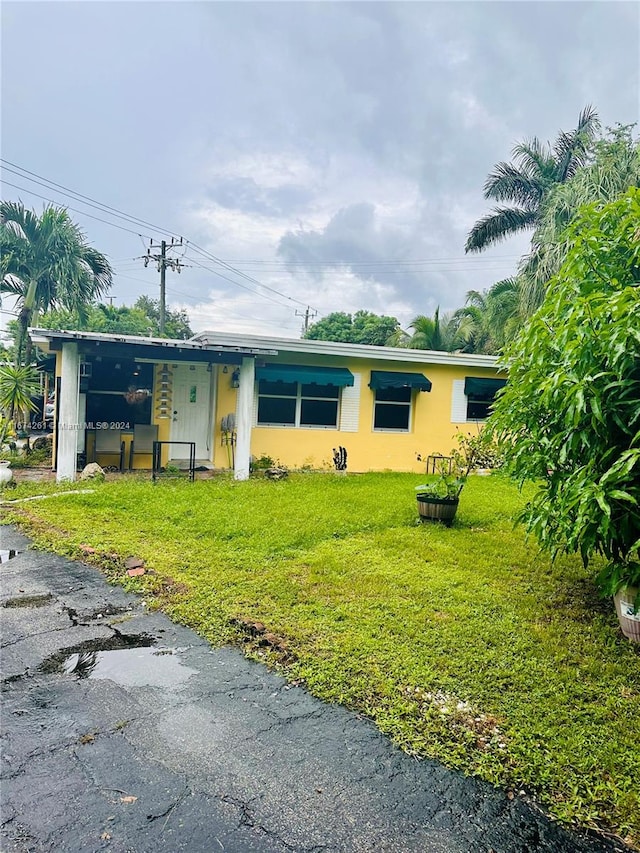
x=243 y=419
x=68 y=425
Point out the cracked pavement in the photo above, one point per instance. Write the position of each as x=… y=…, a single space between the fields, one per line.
x=166 y=744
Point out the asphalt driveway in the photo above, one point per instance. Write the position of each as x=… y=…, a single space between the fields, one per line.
x=124 y=732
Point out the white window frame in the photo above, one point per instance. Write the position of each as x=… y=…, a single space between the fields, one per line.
x=298 y=411
x=409 y=403
x=460 y=405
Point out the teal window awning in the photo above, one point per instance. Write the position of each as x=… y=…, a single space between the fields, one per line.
x=381 y=379
x=482 y=389
x=338 y=376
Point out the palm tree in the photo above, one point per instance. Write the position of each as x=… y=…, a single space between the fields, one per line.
x=434 y=333
x=525 y=183
x=46 y=263
x=614 y=169
x=489 y=318
x=17 y=386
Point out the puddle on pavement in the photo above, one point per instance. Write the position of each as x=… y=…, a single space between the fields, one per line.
x=128 y=661
x=7 y=554
x=37 y=600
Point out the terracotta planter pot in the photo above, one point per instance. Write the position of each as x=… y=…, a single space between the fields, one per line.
x=438 y=509
x=629 y=621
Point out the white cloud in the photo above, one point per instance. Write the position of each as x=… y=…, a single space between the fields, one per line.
x=276 y=118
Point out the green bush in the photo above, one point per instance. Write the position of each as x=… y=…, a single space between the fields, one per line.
x=571 y=410
x=482 y=449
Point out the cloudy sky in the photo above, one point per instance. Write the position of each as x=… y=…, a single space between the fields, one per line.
x=331 y=154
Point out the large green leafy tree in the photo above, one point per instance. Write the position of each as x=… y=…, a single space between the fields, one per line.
x=363 y=327
x=45 y=262
x=525 y=183
x=176 y=324
x=141 y=319
x=571 y=410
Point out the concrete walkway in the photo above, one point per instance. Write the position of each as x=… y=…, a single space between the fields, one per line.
x=124 y=732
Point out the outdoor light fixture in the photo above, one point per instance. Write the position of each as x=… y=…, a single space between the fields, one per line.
x=235 y=378
x=225 y=369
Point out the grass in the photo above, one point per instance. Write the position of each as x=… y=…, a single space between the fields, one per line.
x=463 y=644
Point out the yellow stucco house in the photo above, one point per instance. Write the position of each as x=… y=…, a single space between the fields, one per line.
x=222 y=398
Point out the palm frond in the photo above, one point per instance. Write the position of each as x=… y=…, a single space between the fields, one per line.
x=571 y=148
x=510 y=183
x=501 y=223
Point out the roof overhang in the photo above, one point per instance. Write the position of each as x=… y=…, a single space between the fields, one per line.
x=285 y=346
x=154 y=349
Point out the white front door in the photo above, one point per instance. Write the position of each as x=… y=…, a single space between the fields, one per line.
x=191 y=411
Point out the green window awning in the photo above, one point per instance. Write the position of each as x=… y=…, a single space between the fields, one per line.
x=307 y=375
x=387 y=379
x=482 y=389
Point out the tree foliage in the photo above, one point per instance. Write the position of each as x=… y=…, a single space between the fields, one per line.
x=489 y=318
x=363 y=327
x=141 y=319
x=572 y=406
x=18 y=384
x=434 y=333
x=613 y=167
x=525 y=183
x=45 y=263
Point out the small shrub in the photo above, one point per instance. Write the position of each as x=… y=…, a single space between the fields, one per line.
x=483 y=449
x=261 y=463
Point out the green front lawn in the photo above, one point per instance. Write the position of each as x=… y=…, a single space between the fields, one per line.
x=462 y=644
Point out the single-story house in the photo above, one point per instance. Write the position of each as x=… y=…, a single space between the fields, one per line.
x=229 y=397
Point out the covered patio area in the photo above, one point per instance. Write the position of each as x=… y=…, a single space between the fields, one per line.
x=119 y=396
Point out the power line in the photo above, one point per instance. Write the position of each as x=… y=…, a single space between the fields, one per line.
x=244 y=276
x=237 y=283
x=390 y=261
x=92 y=202
x=389 y=270
x=307 y=315
x=134 y=220
x=75 y=209
x=164 y=262
x=275 y=265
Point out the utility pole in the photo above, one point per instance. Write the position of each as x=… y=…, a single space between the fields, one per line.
x=163 y=284
x=163 y=261
x=308 y=314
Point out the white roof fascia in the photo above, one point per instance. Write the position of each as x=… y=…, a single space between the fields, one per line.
x=43 y=336
x=291 y=345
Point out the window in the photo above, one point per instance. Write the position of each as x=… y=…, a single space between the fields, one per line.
x=392 y=409
x=393 y=392
x=481 y=395
x=478 y=410
x=297 y=404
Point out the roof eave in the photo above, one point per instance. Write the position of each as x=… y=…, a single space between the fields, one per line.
x=365 y=351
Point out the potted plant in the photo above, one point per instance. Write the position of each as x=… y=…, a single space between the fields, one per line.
x=622 y=581
x=438 y=499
